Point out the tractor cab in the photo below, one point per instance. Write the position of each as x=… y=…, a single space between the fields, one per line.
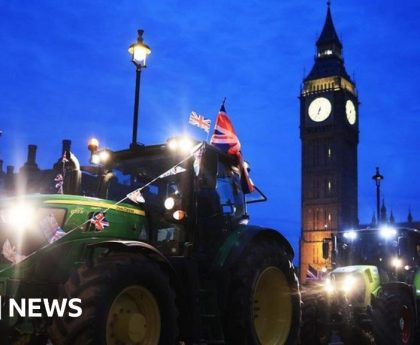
x=190 y=191
x=395 y=251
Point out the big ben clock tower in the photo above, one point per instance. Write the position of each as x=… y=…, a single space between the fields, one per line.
x=329 y=132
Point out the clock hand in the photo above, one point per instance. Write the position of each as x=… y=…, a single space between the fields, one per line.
x=319 y=109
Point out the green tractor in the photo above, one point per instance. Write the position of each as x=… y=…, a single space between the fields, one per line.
x=373 y=293
x=179 y=265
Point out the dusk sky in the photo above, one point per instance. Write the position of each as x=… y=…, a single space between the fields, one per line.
x=66 y=74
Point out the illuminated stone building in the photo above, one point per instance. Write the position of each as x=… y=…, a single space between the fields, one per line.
x=329 y=132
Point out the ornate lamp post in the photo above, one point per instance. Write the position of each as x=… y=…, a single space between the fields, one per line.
x=378 y=178
x=139 y=51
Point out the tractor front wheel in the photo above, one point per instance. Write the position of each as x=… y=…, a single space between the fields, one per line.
x=126 y=299
x=264 y=299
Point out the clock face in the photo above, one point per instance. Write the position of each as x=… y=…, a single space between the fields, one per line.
x=319 y=109
x=351 y=112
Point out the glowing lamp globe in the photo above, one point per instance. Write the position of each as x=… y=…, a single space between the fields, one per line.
x=139 y=51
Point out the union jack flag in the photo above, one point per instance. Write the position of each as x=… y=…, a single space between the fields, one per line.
x=199 y=121
x=225 y=138
x=99 y=221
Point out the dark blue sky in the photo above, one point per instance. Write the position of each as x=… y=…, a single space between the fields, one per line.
x=66 y=73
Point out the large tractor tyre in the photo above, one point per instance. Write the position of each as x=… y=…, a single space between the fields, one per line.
x=313 y=331
x=264 y=301
x=126 y=299
x=393 y=319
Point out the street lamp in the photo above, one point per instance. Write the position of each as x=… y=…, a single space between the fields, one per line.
x=378 y=178
x=139 y=51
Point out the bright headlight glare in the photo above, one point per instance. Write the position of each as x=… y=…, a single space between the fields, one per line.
x=96 y=159
x=396 y=262
x=185 y=144
x=329 y=286
x=169 y=203
x=172 y=144
x=350 y=235
x=387 y=232
x=19 y=216
x=104 y=156
x=349 y=283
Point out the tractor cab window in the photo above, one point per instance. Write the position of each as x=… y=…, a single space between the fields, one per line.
x=166 y=231
x=228 y=187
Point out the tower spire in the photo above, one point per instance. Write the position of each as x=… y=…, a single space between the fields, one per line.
x=329 y=35
x=329 y=57
x=410 y=216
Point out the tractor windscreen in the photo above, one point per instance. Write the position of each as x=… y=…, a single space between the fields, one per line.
x=367 y=248
x=25 y=229
x=129 y=175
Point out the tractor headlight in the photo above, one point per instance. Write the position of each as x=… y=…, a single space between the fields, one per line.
x=349 y=284
x=182 y=144
x=169 y=203
x=396 y=262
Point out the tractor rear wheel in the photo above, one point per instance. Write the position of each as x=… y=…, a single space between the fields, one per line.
x=264 y=300
x=126 y=299
x=393 y=319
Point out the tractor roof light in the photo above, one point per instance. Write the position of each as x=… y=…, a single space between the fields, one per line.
x=95 y=159
x=182 y=144
x=350 y=235
x=100 y=157
x=387 y=232
x=104 y=156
